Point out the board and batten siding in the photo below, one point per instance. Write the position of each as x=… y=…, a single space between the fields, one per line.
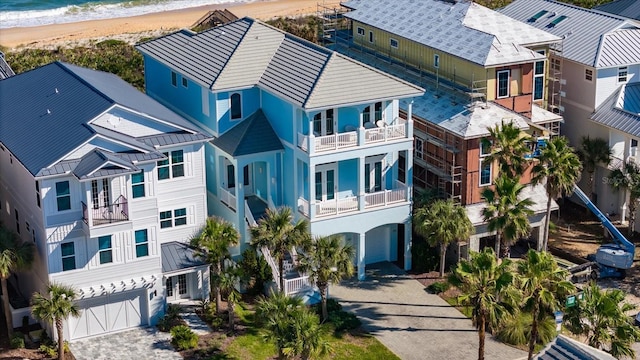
x=607 y=81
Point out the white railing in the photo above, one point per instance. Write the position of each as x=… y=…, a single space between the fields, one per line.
x=228 y=198
x=384 y=197
x=337 y=206
x=386 y=133
x=292 y=286
x=272 y=264
x=303 y=141
x=248 y=214
x=350 y=139
x=303 y=206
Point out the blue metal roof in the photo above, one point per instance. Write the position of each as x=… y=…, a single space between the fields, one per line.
x=252 y=136
x=626 y=8
x=178 y=256
x=565 y=348
x=98 y=163
x=621 y=110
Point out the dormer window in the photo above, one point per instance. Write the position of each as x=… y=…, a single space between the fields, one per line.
x=236 y=106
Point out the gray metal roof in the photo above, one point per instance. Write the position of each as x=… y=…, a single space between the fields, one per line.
x=563 y=347
x=62 y=167
x=621 y=110
x=99 y=163
x=626 y=8
x=620 y=47
x=463 y=29
x=303 y=73
x=178 y=256
x=251 y=136
x=582 y=30
x=53 y=106
x=169 y=139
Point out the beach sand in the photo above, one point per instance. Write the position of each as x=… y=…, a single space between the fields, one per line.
x=153 y=24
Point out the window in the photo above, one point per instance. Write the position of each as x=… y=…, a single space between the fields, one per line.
x=503 y=83
x=360 y=31
x=137 y=184
x=393 y=43
x=38 y=194
x=100 y=194
x=373 y=177
x=377 y=114
x=246 y=176
x=63 y=195
x=418 y=151
x=402 y=168
x=68 y=256
x=231 y=177
x=556 y=21
x=370 y=36
x=436 y=61
x=174 y=79
x=366 y=115
x=172 y=167
x=17 y=221
x=185 y=82
x=588 y=74
x=105 y=249
x=179 y=218
x=485 y=147
x=142 y=243
x=485 y=173
x=325 y=183
x=538 y=79
x=236 y=106
x=622 y=74
x=537 y=16
x=323 y=123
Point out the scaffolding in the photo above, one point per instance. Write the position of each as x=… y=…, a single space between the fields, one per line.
x=333 y=24
x=554 y=79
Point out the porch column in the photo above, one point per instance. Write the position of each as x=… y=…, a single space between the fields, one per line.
x=361 y=247
x=239 y=179
x=361 y=192
x=312 y=191
x=269 y=182
x=408 y=173
x=410 y=120
x=407 y=244
x=311 y=145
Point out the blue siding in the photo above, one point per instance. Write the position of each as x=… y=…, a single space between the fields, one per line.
x=279 y=112
x=348 y=178
x=260 y=178
x=288 y=181
x=250 y=101
x=348 y=116
x=210 y=164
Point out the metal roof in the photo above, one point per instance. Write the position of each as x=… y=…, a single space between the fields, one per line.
x=582 y=30
x=251 y=136
x=563 y=347
x=168 y=139
x=53 y=106
x=305 y=74
x=620 y=47
x=621 y=110
x=463 y=29
x=99 y=163
x=178 y=256
x=626 y=8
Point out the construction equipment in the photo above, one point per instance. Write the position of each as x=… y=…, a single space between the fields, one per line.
x=611 y=259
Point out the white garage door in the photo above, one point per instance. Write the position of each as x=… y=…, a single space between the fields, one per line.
x=377 y=245
x=109 y=313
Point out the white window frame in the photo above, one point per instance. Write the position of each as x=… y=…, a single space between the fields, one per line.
x=498 y=73
x=173 y=217
x=392 y=41
x=623 y=73
x=324 y=128
x=109 y=250
x=323 y=169
x=231 y=107
x=170 y=164
x=144 y=243
x=436 y=61
x=372 y=161
x=480 y=183
x=418 y=151
x=588 y=75
x=544 y=68
x=135 y=185
x=62 y=256
x=482 y=153
x=360 y=31
x=58 y=196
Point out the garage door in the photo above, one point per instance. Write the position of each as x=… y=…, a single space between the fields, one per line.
x=377 y=245
x=109 y=313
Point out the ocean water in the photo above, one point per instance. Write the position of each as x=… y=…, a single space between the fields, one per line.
x=14 y=13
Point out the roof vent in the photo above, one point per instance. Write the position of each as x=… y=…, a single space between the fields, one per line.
x=48 y=112
x=57 y=91
x=537 y=16
x=556 y=21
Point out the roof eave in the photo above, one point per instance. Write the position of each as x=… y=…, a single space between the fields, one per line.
x=363 y=102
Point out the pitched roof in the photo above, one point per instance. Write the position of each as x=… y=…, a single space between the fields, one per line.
x=251 y=136
x=178 y=256
x=620 y=47
x=248 y=53
x=621 y=110
x=583 y=30
x=53 y=106
x=626 y=8
x=99 y=163
x=563 y=347
x=463 y=29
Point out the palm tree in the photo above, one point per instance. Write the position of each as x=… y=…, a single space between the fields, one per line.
x=486 y=286
x=442 y=223
x=228 y=280
x=559 y=169
x=601 y=317
x=15 y=255
x=212 y=245
x=327 y=261
x=516 y=330
x=293 y=328
x=544 y=285
x=628 y=178
x=279 y=234
x=506 y=213
x=508 y=146
x=56 y=308
x=592 y=153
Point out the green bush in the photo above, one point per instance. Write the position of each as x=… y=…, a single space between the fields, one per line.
x=49 y=350
x=183 y=338
x=17 y=340
x=438 y=287
x=342 y=320
x=425 y=258
x=255 y=271
x=332 y=306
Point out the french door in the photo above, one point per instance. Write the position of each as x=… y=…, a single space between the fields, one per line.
x=324 y=123
x=177 y=287
x=325 y=182
x=100 y=193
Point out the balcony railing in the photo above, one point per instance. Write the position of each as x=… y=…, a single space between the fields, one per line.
x=295 y=285
x=398 y=194
x=228 y=198
x=116 y=212
x=355 y=137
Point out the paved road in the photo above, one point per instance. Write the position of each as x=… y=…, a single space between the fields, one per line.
x=411 y=322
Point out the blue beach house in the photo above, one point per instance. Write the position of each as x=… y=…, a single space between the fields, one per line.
x=297 y=125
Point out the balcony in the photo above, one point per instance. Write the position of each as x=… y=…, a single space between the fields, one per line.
x=353 y=137
x=351 y=204
x=228 y=197
x=100 y=215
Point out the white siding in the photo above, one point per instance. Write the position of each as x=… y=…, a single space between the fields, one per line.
x=131 y=124
x=608 y=81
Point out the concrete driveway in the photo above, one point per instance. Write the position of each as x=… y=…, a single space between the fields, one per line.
x=411 y=322
x=139 y=344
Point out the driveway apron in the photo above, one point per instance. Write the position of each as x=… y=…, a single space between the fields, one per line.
x=139 y=344
x=411 y=322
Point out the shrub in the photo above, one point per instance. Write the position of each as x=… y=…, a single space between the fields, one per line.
x=17 y=341
x=49 y=350
x=342 y=320
x=183 y=338
x=255 y=271
x=438 y=287
x=426 y=258
x=332 y=306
